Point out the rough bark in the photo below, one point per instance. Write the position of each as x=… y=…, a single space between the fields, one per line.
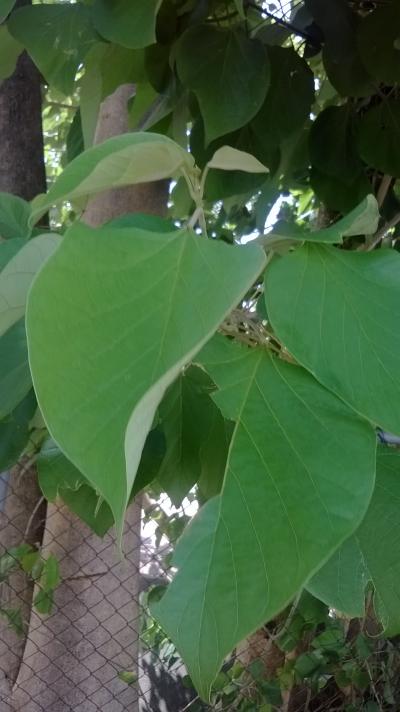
x=72 y=659
x=22 y=172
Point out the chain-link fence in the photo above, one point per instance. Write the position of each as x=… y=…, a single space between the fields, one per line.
x=93 y=645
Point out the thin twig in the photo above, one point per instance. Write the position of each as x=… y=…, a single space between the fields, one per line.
x=383 y=189
x=383 y=231
x=281 y=22
x=31 y=518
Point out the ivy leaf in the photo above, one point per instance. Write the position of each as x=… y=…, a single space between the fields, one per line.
x=17 y=276
x=111 y=350
x=130 y=23
x=370 y=556
x=10 y=49
x=227 y=71
x=57 y=38
x=186 y=416
x=15 y=377
x=122 y=160
x=281 y=501
x=378 y=137
x=14 y=431
x=337 y=313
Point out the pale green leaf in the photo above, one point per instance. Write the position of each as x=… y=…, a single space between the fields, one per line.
x=17 y=276
x=130 y=158
x=112 y=318
x=130 y=23
x=227 y=71
x=228 y=158
x=10 y=49
x=371 y=556
x=298 y=481
x=15 y=377
x=337 y=313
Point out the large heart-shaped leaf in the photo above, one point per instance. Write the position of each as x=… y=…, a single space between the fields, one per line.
x=112 y=318
x=371 y=555
x=130 y=23
x=337 y=313
x=14 y=216
x=14 y=431
x=378 y=137
x=299 y=478
x=57 y=37
x=10 y=49
x=122 y=160
x=17 y=276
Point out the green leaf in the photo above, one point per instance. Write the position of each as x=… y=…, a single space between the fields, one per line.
x=10 y=49
x=295 y=451
x=112 y=350
x=74 y=141
x=15 y=376
x=43 y=602
x=8 y=249
x=227 y=71
x=17 y=276
x=341 y=58
x=59 y=477
x=14 y=217
x=14 y=431
x=14 y=619
x=130 y=158
x=50 y=577
x=130 y=23
x=339 y=195
x=228 y=158
x=57 y=37
x=337 y=314
x=5 y=8
x=186 y=415
x=376 y=39
x=378 y=137
x=91 y=93
x=371 y=556
x=332 y=144
x=363 y=220
x=289 y=98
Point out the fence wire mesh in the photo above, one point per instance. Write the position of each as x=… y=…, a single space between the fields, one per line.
x=97 y=647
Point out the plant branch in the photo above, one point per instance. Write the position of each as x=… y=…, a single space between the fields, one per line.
x=280 y=21
x=376 y=239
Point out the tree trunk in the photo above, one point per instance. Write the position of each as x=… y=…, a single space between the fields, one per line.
x=73 y=657
x=22 y=172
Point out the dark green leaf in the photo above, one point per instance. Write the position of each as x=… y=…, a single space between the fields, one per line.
x=43 y=601
x=338 y=195
x=332 y=145
x=379 y=137
x=289 y=98
x=14 y=619
x=130 y=23
x=14 y=431
x=227 y=71
x=14 y=217
x=376 y=38
x=15 y=376
x=10 y=49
